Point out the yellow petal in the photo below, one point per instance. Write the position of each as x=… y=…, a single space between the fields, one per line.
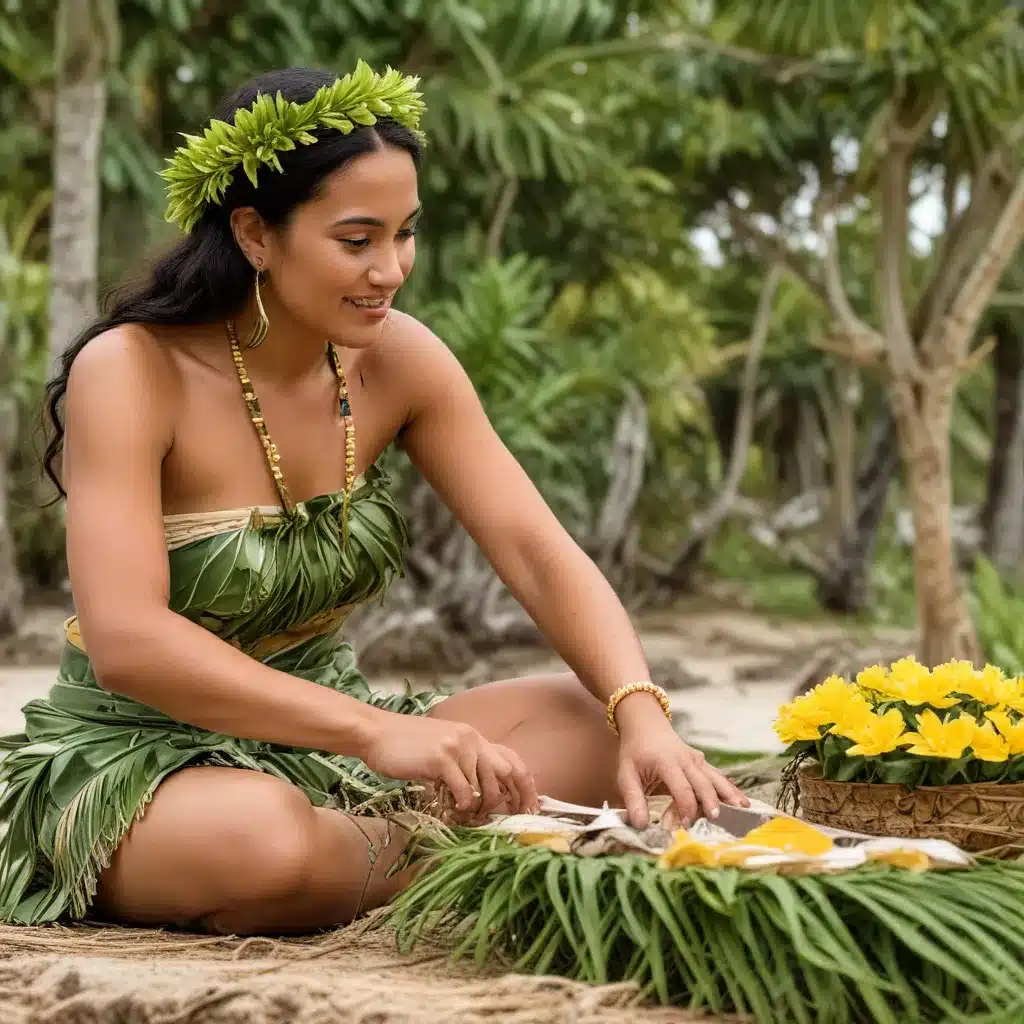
x=550 y=840
x=789 y=835
x=687 y=852
x=909 y=860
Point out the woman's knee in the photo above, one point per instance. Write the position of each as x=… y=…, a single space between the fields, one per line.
x=210 y=839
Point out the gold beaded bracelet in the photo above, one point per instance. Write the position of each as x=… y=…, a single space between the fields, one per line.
x=642 y=687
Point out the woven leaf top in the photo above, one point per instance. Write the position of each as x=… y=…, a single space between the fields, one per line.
x=201 y=170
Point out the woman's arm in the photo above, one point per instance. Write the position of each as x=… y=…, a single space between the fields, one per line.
x=451 y=441
x=120 y=405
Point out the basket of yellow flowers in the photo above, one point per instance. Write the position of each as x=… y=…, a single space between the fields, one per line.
x=910 y=752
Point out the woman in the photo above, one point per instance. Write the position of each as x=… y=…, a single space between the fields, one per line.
x=210 y=757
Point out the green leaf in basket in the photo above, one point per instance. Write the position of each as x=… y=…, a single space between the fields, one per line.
x=949 y=772
x=904 y=771
x=850 y=769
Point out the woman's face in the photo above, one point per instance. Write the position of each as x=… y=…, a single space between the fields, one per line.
x=337 y=266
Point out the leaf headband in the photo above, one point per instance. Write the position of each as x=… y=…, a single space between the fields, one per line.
x=201 y=170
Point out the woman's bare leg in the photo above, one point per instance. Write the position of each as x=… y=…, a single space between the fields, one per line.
x=237 y=852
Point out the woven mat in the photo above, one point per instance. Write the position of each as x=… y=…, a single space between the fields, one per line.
x=103 y=975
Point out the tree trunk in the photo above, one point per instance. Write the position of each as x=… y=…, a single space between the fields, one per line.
x=1002 y=516
x=844 y=585
x=85 y=39
x=11 y=591
x=944 y=620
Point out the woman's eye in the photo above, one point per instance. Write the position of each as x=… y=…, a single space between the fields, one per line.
x=407 y=232
x=356 y=243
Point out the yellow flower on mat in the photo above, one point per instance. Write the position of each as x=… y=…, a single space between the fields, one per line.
x=876 y=734
x=789 y=835
x=550 y=840
x=1012 y=732
x=877 y=680
x=909 y=860
x=935 y=738
x=686 y=851
x=988 y=745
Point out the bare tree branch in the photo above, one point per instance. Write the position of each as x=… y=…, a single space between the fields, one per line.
x=977 y=291
x=772 y=251
x=835 y=294
x=502 y=211
x=960 y=246
x=703 y=526
x=894 y=182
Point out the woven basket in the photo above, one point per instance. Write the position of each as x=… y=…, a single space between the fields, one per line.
x=981 y=817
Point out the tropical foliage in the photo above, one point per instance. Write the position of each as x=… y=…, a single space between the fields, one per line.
x=608 y=188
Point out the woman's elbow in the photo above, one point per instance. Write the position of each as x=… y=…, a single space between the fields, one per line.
x=119 y=652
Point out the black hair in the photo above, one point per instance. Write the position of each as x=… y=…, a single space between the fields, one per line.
x=205 y=277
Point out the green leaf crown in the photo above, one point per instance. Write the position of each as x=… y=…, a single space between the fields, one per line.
x=201 y=170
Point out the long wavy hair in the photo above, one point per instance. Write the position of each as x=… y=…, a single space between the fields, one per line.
x=205 y=277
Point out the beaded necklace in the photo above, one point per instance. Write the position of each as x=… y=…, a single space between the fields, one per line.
x=270 y=449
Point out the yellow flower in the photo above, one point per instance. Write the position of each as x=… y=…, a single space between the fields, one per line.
x=988 y=745
x=790 y=728
x=906 y=672
x=687 y=852
x=790 y=835
x=957 y=675
x=877 y=681
x=550 y=840
x=919 y=686
x=1015 y=694
x=877 y=734
x=935 y=738
x=909 y=860
x=854 y=721
x=989 y=686
x=829 y=702
x=1012 y=732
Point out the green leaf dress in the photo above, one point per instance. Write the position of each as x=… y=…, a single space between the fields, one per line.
x=275 y=582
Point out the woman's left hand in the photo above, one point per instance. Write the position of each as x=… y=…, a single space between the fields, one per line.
x=653 y=758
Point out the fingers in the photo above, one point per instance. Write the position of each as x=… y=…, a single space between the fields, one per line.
x=698 y=773
x=727 y=790
x=498 y=776
x=455 y=779
x=491 y=772
x=679 y=788
x=521 y=783
x=633 y=796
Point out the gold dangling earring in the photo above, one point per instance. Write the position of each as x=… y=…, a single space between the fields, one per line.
x=261 y=328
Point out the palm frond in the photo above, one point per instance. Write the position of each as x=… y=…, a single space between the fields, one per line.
x=878 y=944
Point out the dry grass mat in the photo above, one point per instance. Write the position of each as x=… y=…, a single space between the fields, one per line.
x=104 y=975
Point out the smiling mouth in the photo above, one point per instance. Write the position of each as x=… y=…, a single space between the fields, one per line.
x=370 y=303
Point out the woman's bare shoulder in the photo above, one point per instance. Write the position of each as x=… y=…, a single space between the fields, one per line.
x=124 y=377
x=126 y=352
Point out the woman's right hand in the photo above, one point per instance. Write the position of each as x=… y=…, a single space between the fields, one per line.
x=480 y=775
